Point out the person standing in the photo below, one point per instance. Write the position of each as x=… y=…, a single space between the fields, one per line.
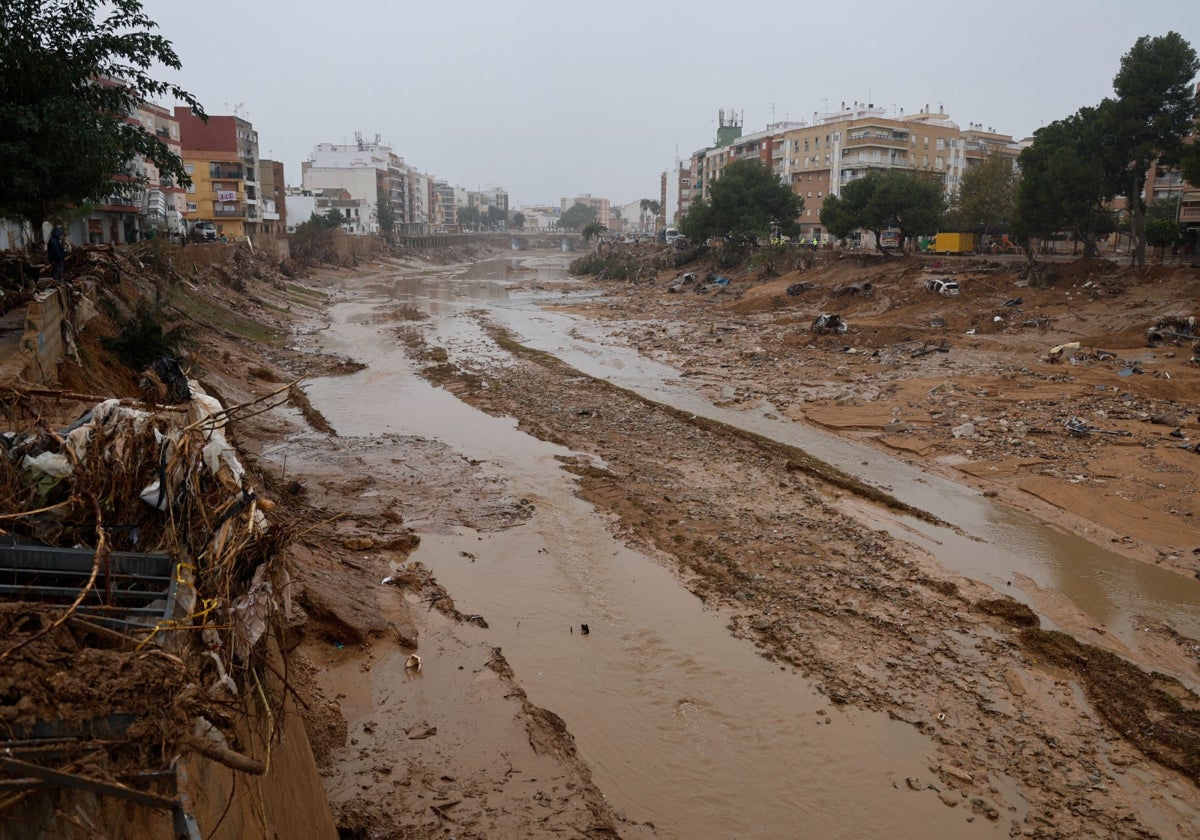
x=56 y=251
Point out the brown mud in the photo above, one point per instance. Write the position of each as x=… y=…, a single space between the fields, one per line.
x=878 y=624
x=1045 y=734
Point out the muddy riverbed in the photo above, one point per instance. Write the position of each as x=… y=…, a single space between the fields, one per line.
x=767 y=653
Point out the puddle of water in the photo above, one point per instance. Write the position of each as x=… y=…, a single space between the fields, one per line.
x=1107 y=586
x=683 y=725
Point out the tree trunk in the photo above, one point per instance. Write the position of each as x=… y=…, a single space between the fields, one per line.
x=1137 y=221
x=1090 y=248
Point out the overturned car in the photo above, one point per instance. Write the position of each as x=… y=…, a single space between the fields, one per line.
x=829 y=325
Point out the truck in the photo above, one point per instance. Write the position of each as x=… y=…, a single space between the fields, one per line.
x=953 y=243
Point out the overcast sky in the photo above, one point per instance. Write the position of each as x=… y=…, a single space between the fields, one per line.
x=552 y=99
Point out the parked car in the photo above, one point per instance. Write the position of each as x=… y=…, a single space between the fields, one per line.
x=942 y=285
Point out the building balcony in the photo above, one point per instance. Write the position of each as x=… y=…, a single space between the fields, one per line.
x=226 y=173
x=886 y=141
x=1189 y=215
x=229 y=211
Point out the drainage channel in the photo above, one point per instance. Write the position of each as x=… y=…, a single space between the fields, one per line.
x=997 y=545
x=683 y=725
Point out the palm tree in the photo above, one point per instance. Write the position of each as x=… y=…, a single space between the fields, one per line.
x=651 y=207
x=592 y=229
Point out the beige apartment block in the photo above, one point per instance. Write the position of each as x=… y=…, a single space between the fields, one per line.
x=820 y=158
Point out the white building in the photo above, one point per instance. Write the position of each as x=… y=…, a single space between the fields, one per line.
x=364 y=169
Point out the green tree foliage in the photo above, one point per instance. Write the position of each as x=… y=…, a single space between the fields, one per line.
x=1189 y=161
x=469 y=217
x=385 y=213
x=746 y=201
x=518 y=220
x=1162 y=225
x=578 y=216
x=986 y=201
x=141 y=338
x=1154 y=110
x=592 y=229
x=650 y=211
x=496 y=217
x=911 y=203
x=71 y=71
x=839 y=217
x=1067 y=180
x=312 y=241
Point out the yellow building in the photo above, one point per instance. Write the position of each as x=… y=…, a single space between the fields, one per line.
x=221 y=156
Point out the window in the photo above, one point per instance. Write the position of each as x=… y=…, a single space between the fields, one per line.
x=820 y=194
x=217 y=186
x=189 y=168
x=191 y=207
x=926 y=142
x=941 y=145
x=939 y=162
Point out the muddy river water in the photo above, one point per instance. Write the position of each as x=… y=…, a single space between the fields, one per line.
x=682 y=724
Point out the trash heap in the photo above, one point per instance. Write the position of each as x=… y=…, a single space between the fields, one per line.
x=96 y=694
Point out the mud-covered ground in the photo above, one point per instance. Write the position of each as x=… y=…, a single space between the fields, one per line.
x=472 y=757
x=1034 y=731
x=1088 y=739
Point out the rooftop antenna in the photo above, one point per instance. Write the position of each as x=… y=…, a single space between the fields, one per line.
x=772 y=112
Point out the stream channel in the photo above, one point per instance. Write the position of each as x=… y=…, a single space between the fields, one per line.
x=682 y=724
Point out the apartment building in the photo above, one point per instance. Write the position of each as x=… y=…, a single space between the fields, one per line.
x=540 y=217
x=274 y=197
x=164 y=208
x=820 y=158
x=157 y=203
x=491 y=197
x=446 y=214
x=221 y=156
x=602 y=207
x=368 y=170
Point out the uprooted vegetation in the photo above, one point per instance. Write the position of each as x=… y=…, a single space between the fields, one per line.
x=145 y=579
x=155 y=645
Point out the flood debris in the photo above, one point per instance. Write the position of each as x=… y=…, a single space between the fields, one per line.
x=1061 y=351
x=797 y=289
x=1079 y=428
x=141 y=561
x=930 y=347
x=828 y=324
x=684 y=281
x=853 y=290
x=1171 y=331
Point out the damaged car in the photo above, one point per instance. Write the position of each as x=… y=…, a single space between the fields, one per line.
x=942 y=286
x=829 y=324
